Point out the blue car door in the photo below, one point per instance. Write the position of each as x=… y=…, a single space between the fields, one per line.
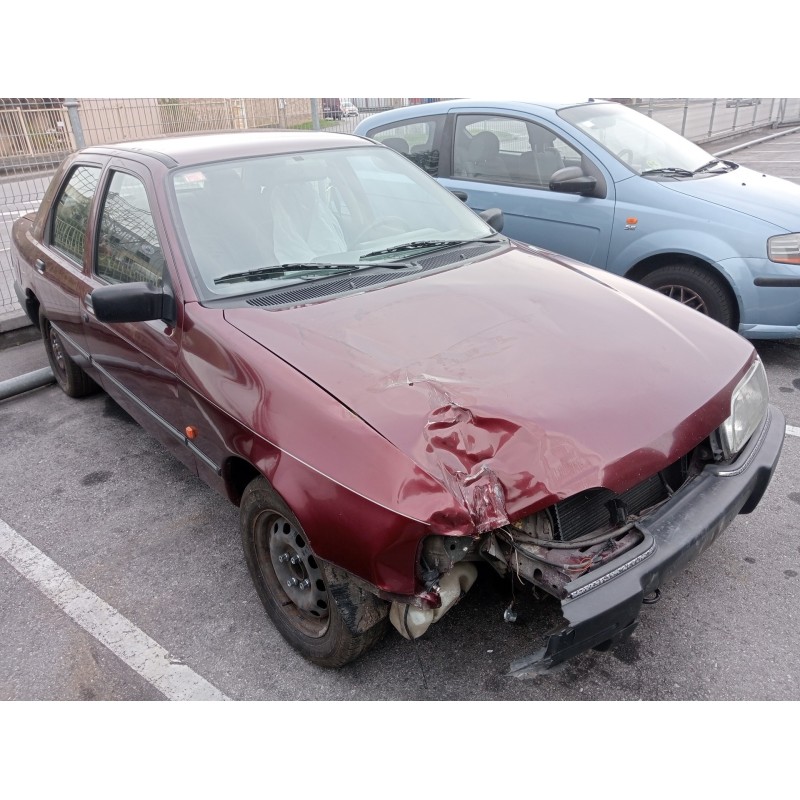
x=506 y=161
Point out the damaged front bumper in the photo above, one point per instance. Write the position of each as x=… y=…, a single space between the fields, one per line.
x=602 y=607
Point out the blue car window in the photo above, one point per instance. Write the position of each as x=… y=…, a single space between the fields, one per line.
x=415 y=140
x=508 y=150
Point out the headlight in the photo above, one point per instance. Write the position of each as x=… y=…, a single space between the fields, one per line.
x=748 y=407
x=784 y=249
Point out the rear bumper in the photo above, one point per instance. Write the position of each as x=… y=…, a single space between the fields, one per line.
x=603 y=607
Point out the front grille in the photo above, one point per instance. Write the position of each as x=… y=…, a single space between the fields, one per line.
x=598 y=509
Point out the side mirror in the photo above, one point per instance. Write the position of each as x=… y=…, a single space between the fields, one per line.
x=572 y=180
x=494 y=216
x=133 y=302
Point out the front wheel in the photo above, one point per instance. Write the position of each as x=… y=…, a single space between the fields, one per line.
x=293 y=584
x=695 y=288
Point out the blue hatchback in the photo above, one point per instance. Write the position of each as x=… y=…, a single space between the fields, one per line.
x=608 y=186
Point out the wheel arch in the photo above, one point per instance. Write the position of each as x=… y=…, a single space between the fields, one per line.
x=237 y=473
x=647 y=265
x=33 y=308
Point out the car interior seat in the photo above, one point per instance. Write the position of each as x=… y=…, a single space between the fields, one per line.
x=546 y=156
x=396 y=143
x=483 y=157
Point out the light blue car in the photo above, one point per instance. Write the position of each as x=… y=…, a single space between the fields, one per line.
x=606 y=185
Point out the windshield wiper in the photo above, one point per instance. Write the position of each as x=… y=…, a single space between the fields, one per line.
x=259 y=273
x=424 y=244
x=726 y=166
x=669 y=171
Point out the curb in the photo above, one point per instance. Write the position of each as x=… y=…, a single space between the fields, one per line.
x=13 y=320
x=755 y=141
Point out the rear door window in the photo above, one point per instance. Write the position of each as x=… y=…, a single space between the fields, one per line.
x=418 y=141
x=71 y=216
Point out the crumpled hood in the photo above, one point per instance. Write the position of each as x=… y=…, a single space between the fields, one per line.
x=765 y=197
x=517 y=381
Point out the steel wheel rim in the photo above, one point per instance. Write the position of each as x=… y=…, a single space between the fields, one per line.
x=291 y=574
x=57 y=351
x=684 y=296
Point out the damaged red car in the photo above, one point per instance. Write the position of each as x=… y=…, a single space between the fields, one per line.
x=391 y=390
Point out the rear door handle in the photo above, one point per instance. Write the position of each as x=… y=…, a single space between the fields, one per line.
x=40 y=266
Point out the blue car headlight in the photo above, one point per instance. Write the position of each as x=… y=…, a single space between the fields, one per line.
x=784 y=249
x=748 y=406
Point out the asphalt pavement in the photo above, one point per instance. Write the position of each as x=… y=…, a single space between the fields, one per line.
x=102 y=506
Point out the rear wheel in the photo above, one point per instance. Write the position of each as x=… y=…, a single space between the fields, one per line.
x=695 y=288
x=293 y=584
x=69 y=376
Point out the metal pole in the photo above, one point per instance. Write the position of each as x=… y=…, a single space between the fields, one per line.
x=71 y=105
x=315 y=113
x=711 y=121
x=685 y=112
x=24 y=383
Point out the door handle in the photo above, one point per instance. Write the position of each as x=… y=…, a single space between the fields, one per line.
x=40 y=266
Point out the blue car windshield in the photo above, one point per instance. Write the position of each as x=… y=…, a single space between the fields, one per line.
x=643 y=145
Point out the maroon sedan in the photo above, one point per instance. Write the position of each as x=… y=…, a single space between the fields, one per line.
x=391 y=391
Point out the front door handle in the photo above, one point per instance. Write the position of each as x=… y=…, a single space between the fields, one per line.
x=40 y=266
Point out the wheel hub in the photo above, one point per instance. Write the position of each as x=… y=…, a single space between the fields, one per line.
x=297 y=570
x=58 y=353
x=685 y=296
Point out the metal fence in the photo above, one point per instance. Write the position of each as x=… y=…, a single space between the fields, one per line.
x=37 y=133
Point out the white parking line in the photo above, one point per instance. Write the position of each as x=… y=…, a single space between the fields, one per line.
x=791 y=430
x=174 y=679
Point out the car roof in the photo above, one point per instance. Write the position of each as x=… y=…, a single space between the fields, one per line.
x=443 y=106
x=193 y=149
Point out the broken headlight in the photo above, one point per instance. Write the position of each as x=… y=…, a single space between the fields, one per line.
x=748 y=407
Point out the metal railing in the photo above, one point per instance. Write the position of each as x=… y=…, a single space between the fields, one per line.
x=37 y=133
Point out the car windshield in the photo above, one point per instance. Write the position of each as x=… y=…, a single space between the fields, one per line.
x=637 y=141
x=256 y=223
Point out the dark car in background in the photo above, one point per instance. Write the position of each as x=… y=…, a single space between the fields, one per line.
x=394 y=393
x=331 y=108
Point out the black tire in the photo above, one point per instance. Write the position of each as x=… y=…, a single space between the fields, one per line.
x=696 y=288
x=69 y=376
x=277 y=551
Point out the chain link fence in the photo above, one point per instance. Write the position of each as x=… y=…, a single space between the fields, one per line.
x=37 y=133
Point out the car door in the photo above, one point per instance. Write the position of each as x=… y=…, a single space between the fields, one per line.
x=494 y=159
x=61 y=256
x=137 y=362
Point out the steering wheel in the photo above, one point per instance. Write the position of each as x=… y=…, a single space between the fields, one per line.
x=626 y=154
x=391 y=224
